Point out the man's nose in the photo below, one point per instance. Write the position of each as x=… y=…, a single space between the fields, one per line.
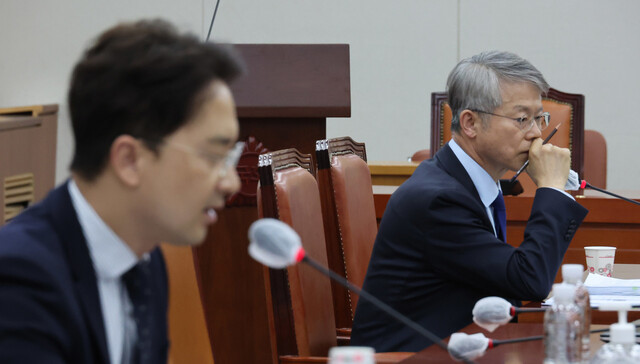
x=230 y=182
x=534 y=132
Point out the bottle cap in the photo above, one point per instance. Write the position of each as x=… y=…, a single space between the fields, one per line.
x=563 y=293
x=572 y=273
x=621 y=332
x=351 y=355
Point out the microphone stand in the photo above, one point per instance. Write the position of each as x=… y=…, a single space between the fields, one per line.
x=494 y=343
x=528 y=309
x=381 y=305
x=586 y=184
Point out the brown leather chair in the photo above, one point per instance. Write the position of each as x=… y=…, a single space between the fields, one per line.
x=187 y=325
x=564 y=107
x=595 y=158
x=421 y=155
x=303 y=318
x=349 y=217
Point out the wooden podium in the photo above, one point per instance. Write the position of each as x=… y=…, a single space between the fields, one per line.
x=27 y=156
x=282 y=102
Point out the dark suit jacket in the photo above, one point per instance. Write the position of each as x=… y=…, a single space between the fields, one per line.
x=49 y=305
x=436 y=255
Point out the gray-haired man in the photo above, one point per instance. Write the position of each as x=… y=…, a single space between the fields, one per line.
x=441 y=244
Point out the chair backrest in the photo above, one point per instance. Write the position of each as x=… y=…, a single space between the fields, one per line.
x=564 y=107
x=302 y=305
x=349 y=216
x=421 y=155
x=595 y=158
x=188 y=333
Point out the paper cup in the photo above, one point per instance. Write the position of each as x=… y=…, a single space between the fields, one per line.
x=351 y=355
x=600 y=259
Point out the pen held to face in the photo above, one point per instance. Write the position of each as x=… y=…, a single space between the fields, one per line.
x=546 y=140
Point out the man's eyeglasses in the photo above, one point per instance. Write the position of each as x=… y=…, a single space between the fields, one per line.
x=525 y=123
x=222 y=164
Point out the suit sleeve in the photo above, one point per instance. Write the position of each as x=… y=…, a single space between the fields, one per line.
x=462 y=247
x=31 y=320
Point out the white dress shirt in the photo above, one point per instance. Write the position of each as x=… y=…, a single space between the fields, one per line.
x=111 y=259
x=485 y=185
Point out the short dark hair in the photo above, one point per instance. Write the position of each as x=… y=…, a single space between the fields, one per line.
x=143 y=79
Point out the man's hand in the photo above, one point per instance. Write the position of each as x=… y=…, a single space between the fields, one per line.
x=548 y=165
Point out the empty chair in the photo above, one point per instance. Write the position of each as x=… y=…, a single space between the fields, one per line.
x=349 y=217
x=420 y=155
x=303 y=316
x=595 y=158
x=304 y=320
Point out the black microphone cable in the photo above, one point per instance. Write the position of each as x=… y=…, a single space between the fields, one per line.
x=215 y=11
x=383 y=306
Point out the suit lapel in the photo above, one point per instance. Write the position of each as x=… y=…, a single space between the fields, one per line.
x=66 y=223
x=447 y=160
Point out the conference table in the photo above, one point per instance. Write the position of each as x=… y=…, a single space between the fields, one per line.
x=516 y=353
x=610 y=221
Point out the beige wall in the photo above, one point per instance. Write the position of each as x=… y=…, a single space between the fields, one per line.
x=401 y=51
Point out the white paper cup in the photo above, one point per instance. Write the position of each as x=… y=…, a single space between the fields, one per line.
x=600 y=259
x=351 y=355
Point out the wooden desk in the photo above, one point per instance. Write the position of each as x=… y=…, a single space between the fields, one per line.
x=391 y=173
x=526 y=352
x=610 y=221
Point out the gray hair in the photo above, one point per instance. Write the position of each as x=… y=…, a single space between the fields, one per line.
x=475 y=82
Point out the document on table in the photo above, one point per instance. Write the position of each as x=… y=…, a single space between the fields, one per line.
x=606 y=289
x=601 y=285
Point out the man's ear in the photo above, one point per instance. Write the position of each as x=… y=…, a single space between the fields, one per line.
x=125 y=159
x=469 y=123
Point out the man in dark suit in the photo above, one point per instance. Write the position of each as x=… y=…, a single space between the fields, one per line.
x=82 y=279
x=441 y=244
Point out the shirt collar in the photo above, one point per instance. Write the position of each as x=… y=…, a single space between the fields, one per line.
x=485 y=185
x=111 y=256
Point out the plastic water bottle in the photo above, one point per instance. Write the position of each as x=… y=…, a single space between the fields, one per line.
x=572 y=274
x=563 y=328
x=622 y=348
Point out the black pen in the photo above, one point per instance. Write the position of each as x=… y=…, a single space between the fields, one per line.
x=546 y=140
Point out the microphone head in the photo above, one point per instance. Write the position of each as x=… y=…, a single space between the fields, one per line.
x=491 y=312
x=573 y=182
x=274 y=243
x=463 y=346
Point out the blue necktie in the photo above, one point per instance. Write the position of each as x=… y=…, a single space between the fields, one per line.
x=500 y=217
x=138 y=280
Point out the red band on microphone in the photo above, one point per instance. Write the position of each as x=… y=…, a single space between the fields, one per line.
x=300 y=255
x=583 y=184
x=512 y=311
x=490 y=344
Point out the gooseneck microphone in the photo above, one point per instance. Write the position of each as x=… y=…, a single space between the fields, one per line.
x=584 y=184
x=276 y=245
x=474 y=346
x=491 y=312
